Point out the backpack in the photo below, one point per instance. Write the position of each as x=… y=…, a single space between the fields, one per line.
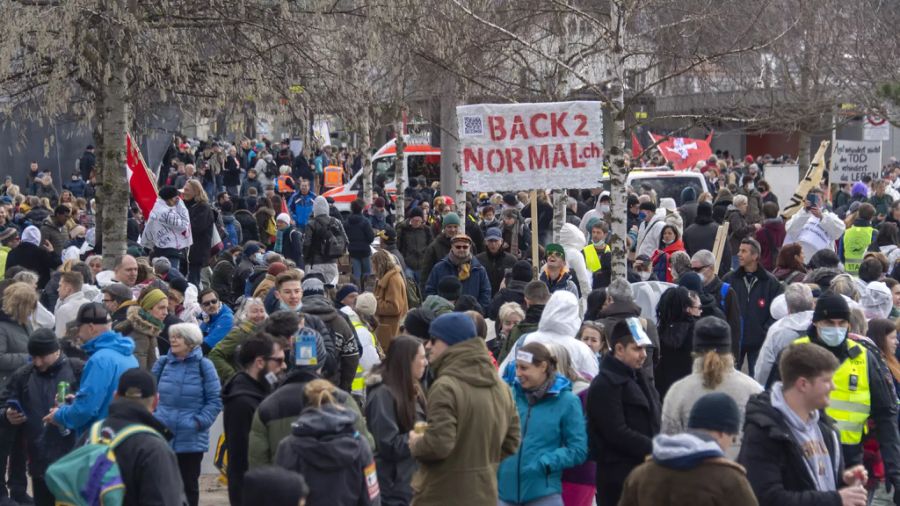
x=413 y=295
x=723 y=292
x=89 y=475
x=334 y=242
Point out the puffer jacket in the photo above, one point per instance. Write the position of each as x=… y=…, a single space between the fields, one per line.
x=553 y=438
x=339 y=331
x=215 y=328
x=13 y=347
x=412 y=243
x=336 y=461
x=473 y=426
x=434 y=253
x=54 y=234
x=359 y=236
x=224 y=354
x=393 y=459
x=477 y=284
x=189 y=399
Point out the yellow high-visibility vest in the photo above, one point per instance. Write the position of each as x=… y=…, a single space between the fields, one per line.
x=856 y=242
x=358 y=387
x=592 y=258
x=850 y=407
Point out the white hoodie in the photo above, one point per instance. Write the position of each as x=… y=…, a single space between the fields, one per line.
x=559 y=324
x=572 y=241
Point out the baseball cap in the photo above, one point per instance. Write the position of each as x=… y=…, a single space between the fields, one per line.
x=92 y=312
x=136 y=384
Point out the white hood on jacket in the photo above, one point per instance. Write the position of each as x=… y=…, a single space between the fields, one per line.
x=571 y=237
x=559 y=324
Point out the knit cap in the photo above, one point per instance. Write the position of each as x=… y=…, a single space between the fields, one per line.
x=42 y=343
x=715 y=411
x=450 y=219
x=452 y=328
x=152 y=298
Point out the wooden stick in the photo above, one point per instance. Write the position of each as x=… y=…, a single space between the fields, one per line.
x=534 y=234
x=719 y=246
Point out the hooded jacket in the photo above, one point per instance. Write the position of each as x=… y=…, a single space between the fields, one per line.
x=554 y=438
x=702 y=235
x=272 y=420
x=216 y=327
x=412 y=243
x=473 y=425
x=780 y=334
x=110 y=355
x=67 y=309
x=241 y=396
x=13 y=347
x=54 y=234
x=559 y=324
x=394 y=461
x=34 y=258
x=770 y=238
x=190 y=399
x=436 y=252
x=223 y=355
x=573 y=241
x=249 y=228
x=649 y=234
x=687 y=469
x=359 y=236
x=143 y=333
x=346 y=344
x=148 y=466
x=301 y=207
x=496 y=266
x=337 y=463
x=775 y=461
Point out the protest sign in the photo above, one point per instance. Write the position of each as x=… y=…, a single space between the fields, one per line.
x=851 y=160
x=509 y=147
x=876 y=129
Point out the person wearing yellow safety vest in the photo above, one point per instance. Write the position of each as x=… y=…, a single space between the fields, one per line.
x=9 y=239
x=348 y=297
x=858 y=238
x=861 y=392
x=597 y=255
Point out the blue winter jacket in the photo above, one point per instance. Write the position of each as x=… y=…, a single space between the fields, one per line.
x=217 y=327
x=301 y=207
x=190 y=399
x=554 y=438
x=477 y=285
x=110 y=355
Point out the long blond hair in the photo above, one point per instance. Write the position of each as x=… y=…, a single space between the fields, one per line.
x=382 y=262
x=19 y=302
x=715 y=365
x=199 y=193
x=319 y=392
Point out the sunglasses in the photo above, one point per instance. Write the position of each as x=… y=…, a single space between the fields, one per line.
x=277 y=360
x=554 y=254
x=461 y=247
x=698 y=269
x=210 y=302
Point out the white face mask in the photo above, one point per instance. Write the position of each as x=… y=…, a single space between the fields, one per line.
x=604 y=209
x=832 y=336
x=645 y=275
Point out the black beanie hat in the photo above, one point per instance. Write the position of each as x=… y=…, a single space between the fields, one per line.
x=715 y=411
x=42 y=342
x=417 y=322
x=279 y=486
x=449 y=287
x=831 y=306
x=712 y=333
x=521 y=271
x=705 y=209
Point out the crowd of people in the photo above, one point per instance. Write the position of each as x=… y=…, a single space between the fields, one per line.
x=416 y=356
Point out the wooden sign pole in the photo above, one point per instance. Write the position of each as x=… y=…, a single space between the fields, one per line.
x=534 y=234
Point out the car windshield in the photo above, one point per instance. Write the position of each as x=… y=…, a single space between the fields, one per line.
x=668 y=187
x=417 y=165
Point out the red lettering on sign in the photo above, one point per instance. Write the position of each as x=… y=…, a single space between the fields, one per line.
x=496 y=125
x=514 y=159
x=534 y=125
x=473 y=157
x=559 y=157
x=495 y=160
x=581 y=129
x=557 y=124
x=518 y=128
x=538 y=157
x=576 y=163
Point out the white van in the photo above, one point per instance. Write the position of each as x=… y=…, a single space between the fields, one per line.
x=421 y=160
x=667 y=183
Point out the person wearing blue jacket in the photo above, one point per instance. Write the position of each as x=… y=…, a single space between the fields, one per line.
x=301 y=204
x=460 y=264
x=554 y=436
x=217 y=319
x=109 y=355
x=189 y=401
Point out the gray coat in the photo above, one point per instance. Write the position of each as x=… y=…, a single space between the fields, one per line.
x=13 y=347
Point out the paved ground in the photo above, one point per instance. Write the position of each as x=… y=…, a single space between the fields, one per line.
x=212 y=492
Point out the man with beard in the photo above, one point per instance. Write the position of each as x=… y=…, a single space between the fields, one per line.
x=460 y=263
x=494 y=259
x=262 y=361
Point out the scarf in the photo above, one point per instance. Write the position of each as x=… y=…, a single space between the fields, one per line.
x=535 y=395
x=464 y=266
x=149 y=318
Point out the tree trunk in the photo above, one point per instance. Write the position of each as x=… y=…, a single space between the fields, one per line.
x=617 y=169
x=400 y=176
x=365 y=143
x=449 y=141
x=803 y=154
x=114 y=191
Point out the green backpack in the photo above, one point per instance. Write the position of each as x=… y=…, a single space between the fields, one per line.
x=89 y=476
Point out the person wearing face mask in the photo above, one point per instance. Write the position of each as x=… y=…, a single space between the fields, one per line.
x=669 y=243
x=260 y=359
x=251 y=262
x=599 y=212
x=754 y=199
x=650 y=230
x=598 y=255
x=861 y=394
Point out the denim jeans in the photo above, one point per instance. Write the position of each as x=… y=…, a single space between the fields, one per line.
x=360 y=267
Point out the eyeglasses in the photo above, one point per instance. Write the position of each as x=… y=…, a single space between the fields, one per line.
x=210 y=302
x=554 y=254
x=277 y=360
x=461 y=247
x=698 y=269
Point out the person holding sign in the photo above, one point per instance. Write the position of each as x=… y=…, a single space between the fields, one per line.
x=623 y=410
x=814 y=227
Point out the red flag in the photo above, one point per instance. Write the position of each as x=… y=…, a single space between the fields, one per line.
x=636 y=148
x=143 y=189
x=684 y=152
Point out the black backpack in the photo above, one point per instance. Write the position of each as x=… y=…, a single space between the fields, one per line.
x=332 y=239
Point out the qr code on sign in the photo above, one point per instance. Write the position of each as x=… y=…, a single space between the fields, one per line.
x=473 y=126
